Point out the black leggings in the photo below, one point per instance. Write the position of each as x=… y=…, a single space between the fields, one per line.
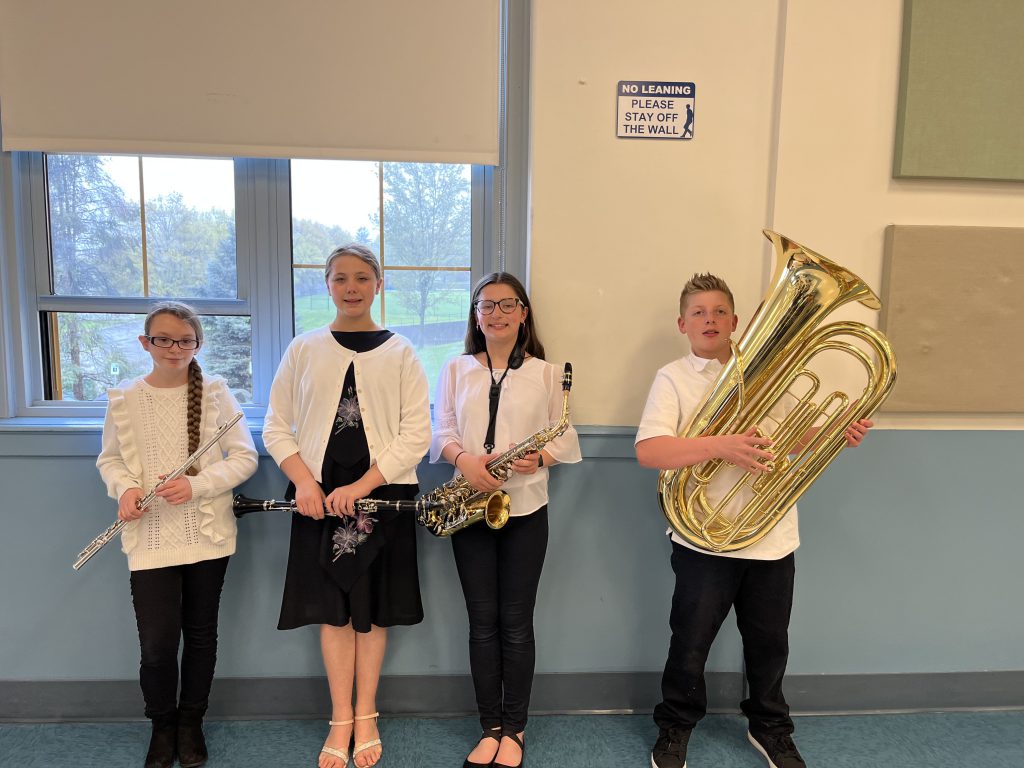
x=180 y=601
x=500 y=572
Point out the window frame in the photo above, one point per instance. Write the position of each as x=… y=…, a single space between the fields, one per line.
x=263 y=250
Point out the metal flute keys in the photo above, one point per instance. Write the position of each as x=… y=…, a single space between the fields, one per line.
x=104 y=538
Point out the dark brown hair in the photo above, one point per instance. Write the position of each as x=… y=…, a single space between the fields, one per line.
x=194 y=400
x=528 y=343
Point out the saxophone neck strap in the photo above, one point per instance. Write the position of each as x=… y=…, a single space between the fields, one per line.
x=493 y=395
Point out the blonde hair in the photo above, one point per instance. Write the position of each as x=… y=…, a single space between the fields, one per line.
x=194 y=399
x=702 y=282
x=357 y=250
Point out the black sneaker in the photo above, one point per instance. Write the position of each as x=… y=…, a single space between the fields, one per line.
x=670 y=748
x=779 y=751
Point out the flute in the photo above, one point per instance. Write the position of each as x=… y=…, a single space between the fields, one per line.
x=104 y=538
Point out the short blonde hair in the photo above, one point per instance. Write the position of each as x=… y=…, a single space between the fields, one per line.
x=702 y=282
x=353 y=249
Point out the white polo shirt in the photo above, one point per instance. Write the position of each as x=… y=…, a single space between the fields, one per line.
x=678 y=389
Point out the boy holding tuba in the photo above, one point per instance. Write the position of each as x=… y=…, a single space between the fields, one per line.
x=756 y=580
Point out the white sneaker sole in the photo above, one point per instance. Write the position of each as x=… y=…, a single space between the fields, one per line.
x=760 y=749
x=655 y=765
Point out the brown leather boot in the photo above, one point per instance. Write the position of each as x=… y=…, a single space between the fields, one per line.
x=191 y=741
x=162 y=743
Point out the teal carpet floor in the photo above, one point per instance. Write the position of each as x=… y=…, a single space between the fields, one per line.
x=976 y=739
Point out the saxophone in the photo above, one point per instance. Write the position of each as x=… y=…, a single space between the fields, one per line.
x=456 y=504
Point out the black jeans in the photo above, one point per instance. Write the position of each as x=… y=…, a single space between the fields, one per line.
x=180 y=601
x=500 y=573
x=706 y=587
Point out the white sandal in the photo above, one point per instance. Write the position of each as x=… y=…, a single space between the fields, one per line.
x=339 y=753
x=368 y=744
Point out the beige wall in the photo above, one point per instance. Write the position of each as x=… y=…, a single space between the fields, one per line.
x=618 y=225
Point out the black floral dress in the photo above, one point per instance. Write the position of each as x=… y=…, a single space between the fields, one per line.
x=360 y=569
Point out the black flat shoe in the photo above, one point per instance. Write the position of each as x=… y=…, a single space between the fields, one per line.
x=522 y=755
x=493 y=733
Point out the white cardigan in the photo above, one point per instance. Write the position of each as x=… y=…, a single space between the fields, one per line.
x=227 y=464
x=394 y=402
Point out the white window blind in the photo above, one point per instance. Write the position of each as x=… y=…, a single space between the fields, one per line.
x=396 y=80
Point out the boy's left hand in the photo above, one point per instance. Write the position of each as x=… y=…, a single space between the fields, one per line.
x=856 y=431
x=176 y=492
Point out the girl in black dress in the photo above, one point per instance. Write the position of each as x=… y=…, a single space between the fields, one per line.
x=349 y=418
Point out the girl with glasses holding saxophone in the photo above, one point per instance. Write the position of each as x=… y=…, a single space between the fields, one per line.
x=499 y=391
x=178 y=546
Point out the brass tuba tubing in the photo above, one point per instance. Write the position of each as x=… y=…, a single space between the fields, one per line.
x=773 y=353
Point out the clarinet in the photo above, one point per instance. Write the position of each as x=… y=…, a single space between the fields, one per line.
x=104 y=538
x=243 y=505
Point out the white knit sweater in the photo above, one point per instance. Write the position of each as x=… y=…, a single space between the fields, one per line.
x=200 y=529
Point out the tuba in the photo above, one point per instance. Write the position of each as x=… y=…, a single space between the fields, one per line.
x=769 y=372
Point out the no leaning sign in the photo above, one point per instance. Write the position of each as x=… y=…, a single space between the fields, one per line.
x=652 y=109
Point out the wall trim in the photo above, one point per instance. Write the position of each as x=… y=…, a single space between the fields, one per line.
x=576 y=693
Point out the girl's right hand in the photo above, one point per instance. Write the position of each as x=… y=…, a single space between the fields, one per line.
x=474 y=469
x=309 y=500
x=745 y=451
x=127 y=505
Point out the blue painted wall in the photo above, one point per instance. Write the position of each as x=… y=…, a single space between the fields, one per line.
x=909 y=563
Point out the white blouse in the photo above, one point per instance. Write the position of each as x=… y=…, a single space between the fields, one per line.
x=531 y=400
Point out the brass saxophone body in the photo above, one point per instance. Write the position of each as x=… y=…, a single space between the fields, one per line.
x=456 y=504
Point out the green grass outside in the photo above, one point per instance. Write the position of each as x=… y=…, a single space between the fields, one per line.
x=445 y=306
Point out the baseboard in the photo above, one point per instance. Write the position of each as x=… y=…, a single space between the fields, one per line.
x=450 y=695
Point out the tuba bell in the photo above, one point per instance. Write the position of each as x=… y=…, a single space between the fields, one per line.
x=715 y=506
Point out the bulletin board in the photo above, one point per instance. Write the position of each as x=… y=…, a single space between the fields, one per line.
x=953 y=308
x=961 y=96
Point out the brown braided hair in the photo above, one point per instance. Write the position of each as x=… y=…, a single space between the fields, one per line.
x=194 y=398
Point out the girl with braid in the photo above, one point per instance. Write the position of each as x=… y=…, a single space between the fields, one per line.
x=178 y=546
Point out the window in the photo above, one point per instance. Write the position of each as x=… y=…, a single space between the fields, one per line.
x=137 y=227
x=243 y=241
x=417 y=217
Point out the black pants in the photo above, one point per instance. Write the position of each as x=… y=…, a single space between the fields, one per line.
x=500 y=573
x=706 y=587
x=172 y=603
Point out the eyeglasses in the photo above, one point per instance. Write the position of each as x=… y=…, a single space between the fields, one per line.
x=166 y=343
x=508 y=306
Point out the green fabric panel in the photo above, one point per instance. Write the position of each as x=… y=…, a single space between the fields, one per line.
x=961 y=107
